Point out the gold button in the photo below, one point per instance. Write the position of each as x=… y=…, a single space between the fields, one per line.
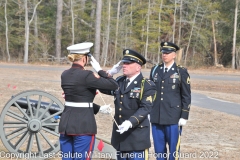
x=120 y=102
x=120 y=116
x=162 y=81
x=121 y=95
x=141 y=126
x=161 y=92
x=161 y=99
x=162 y=87
x=120 y=109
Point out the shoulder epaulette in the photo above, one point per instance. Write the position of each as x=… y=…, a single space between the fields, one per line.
x=180 y=66
x=120 y=77
x=149 y=81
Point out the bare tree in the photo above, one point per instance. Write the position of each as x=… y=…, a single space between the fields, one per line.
x=59 y=29
x=27 y=24
x=98 y=30
x=174 y=19
x=72 y=15
x=189 y=41
x=105 y=51
x=116 y=35
x=215 y=44
x=6 y=31
x=180 y=23
x=131 y=21
x=146 y=46
x=234 y=36
x=35 y=31
x=159 y=30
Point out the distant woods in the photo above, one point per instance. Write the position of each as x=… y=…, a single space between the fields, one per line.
x=40 y=31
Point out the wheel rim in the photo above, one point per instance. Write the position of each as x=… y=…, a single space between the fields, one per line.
x=34 y=127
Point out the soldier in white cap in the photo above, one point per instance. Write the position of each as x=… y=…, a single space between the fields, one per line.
x=77 y=125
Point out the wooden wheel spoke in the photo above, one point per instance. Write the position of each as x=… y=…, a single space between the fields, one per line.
x=29 y=107
x=23 y=112
x=17 y=133
x=30 y=143
x=16 y=116
x=46 y=109
x=38 y=105
x=47 y=139
x=49 y=131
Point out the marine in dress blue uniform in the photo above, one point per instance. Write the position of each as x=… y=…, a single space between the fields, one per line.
x=77 y=125
x=131 y=138
x=171 y=107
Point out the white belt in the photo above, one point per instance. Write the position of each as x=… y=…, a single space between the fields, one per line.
x=75 y=104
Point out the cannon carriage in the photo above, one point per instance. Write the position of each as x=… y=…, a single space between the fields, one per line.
x=29 y=125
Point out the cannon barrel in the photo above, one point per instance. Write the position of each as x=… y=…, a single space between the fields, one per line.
x=23 y=103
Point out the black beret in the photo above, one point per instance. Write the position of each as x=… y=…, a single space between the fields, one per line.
x=169 y=47
x=133 y=56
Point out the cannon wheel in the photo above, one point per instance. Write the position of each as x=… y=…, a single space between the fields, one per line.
x=33 y=130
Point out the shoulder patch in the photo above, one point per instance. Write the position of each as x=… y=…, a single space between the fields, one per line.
x=188 y=80
x=96 y=75
x=149 y=98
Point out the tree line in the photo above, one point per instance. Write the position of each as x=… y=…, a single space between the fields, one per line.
x=205 y=30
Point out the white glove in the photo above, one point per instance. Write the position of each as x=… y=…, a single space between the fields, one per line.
x=115 y=69
x=105 y=109
x=95 y=64
x=149 y=117
x=182 y=122
x=124 y=126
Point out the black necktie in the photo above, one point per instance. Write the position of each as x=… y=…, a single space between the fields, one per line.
x=165 y=70
x=126 y=83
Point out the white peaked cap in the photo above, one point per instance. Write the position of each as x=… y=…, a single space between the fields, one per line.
x=81 y=48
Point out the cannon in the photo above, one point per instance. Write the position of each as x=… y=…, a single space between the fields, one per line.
x=29 y=123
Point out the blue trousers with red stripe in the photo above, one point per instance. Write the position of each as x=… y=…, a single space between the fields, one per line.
x=76 y=147
x=164 y=135
x=133 y=155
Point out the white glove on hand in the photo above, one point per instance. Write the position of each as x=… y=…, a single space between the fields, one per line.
x=105 y=109
x=124 y=126
x=95 y=64
x=182 y=122
x=115 y=69
x=149 y=117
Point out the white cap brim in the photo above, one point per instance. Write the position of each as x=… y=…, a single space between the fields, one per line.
x=80 y=48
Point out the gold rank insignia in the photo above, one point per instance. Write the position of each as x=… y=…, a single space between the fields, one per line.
x=188 y=80
x=127 y=51
x=165 y=44
x=149 y=98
